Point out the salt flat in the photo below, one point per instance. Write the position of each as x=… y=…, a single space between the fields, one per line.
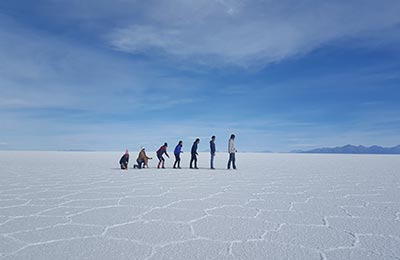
x=79 y=205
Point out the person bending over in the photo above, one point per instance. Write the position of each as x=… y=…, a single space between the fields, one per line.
x=177 y=153
x=160 y=153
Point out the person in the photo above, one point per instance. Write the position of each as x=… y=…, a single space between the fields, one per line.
x=162 y=150
x=212 y=151
x=232 y=150
x=177 y=153
x=194 y=154
x=124 y=160
x=142 y=160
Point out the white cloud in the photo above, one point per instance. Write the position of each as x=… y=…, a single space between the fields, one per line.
x=250 y=33
x=41 y=70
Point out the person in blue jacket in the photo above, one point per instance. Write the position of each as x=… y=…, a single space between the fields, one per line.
x=177 y=153
x=194 y=154
x=212 y=152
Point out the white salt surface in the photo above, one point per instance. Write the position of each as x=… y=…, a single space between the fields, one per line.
x=77 y=205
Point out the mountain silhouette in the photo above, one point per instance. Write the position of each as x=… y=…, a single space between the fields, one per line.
x=352 y=149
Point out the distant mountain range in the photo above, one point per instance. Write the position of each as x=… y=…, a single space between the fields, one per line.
x=352 y=149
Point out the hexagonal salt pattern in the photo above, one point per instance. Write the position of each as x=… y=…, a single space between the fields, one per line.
x=275 y=206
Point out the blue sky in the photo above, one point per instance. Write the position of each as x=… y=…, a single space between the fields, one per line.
x=281 y=75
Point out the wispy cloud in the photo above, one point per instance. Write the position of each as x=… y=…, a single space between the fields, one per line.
x=56 y=72
x=250 y=33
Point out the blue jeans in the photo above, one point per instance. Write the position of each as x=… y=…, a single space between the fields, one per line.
x=232 y=160
x=212 y=161
x=140 y=163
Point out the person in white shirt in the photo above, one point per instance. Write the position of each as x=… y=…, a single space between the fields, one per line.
x=232 y=151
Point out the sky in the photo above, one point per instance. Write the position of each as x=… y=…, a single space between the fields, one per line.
x=281 y=75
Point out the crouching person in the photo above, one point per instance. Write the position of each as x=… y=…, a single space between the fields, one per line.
x=142 y=160
x=160 y=152
x=124 y=160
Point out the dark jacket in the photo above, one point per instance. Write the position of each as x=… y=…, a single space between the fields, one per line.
x=212 y=147
x=194 y=148
x=124 y=159
x=162 y=150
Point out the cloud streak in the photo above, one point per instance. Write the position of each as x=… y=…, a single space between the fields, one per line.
x=242 y=33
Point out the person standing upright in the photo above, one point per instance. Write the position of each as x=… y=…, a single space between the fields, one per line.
x=212 y=151
x=194 y=154
x=177 y=153
x=160 y=152
x=232 y=151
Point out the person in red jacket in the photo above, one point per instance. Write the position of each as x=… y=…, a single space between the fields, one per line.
x=160 y=152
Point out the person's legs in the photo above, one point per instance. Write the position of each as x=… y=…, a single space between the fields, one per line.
x=160 y=159
x=123 y=167
x=234 y=161
x=195 y=161
x=229 y=161
x=163 y=162
x=140 y=164
x=176 y=160
x=212 y=161
x=191 y=161
x=179 y=161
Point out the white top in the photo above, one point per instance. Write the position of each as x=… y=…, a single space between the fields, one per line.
x=231 y=146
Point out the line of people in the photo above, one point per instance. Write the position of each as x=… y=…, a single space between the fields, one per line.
x=143 y=160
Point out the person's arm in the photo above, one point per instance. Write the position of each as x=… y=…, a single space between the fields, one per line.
x=233 y=147
x=166 y=154
x=148 y=158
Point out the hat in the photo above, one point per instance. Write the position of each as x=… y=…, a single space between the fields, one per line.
x=142 y=148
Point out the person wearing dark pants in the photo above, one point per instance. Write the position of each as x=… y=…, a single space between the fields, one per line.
x=194 y=154
x=232 y=150
x=232 y=160
x=160 y=152
x=177 y=153
x=124 y=160
x=212 y=151
x=142 y=160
